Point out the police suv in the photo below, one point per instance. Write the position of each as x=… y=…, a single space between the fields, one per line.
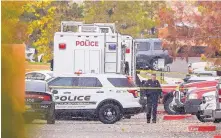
x=106 y=96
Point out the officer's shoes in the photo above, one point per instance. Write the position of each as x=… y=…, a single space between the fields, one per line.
x=154 y=121
x=148 y=121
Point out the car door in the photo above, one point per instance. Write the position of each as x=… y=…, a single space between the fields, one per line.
x=89 y=93
x=63 y=88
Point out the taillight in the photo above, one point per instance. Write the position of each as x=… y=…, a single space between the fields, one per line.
x=134 y=92
x=219 y=91
x=62 y=46
x=42 y=97
x=128 y=50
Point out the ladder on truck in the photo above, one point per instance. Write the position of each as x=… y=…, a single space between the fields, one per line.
x=113 y=52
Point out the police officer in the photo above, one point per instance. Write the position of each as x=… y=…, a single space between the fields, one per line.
x=153 y=92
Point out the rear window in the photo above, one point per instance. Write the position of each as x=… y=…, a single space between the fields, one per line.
x=35 y=86
x=121 y=82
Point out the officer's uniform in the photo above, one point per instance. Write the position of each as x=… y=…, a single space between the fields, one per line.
x=153 y=92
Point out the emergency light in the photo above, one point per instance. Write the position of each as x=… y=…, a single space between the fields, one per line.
x=62 y=46
x=112 y=46
x=128 y=50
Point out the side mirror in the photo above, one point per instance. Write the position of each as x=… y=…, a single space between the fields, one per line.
x=55 y=92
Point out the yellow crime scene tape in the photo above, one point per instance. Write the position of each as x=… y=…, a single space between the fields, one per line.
x=142 y=88
x=151 y=71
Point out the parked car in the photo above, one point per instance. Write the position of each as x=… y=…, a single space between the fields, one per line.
x=39 y=75
x=107 y=97
x=174 y=100
x=149 y=51
x=38 y=102
x=210 y=108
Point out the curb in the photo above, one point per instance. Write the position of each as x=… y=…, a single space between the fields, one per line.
x=202 y=128
x=217 y=136
x=175 y=117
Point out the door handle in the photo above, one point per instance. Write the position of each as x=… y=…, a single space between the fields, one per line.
x=100 y=92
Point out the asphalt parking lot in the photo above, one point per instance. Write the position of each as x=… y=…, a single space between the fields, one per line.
x=136 y=127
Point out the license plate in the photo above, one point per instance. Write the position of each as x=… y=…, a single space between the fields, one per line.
x=27 y=107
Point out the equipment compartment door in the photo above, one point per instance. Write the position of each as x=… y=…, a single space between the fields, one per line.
x=79 y=60
x=94 y=61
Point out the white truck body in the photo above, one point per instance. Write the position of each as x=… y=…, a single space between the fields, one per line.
x=90 y=50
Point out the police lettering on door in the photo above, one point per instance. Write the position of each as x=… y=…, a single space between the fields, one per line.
x=73 y=100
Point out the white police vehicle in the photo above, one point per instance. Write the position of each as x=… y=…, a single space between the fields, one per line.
x=106 y=96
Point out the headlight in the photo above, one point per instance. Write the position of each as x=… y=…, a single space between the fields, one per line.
x=209 y=98
x=193 y=96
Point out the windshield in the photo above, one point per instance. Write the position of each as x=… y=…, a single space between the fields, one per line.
x=35 y=86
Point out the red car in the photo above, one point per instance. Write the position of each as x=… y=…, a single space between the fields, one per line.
x=174 y=100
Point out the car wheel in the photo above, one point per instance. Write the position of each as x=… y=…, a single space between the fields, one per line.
x=51 y=116
x=217 y=121
x=154 y=64
x=109 y=113
x=169 y=107
x=200 y=118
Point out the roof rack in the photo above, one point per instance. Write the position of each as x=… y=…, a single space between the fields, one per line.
x=79 y=25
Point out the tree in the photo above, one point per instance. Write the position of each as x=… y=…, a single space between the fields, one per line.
x=131 y=17
x=192 y=23
x=13 y=30
x=43 y=18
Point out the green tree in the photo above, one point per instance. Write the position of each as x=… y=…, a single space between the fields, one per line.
x=43 y=18
x=13 y=30
x=131 y=17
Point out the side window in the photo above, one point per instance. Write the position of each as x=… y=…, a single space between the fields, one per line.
x=64 y=81
x=143 y=46
x=89 y=82
x=40 y=76
x=104 y=30
x=157 y=45
x=30 y=75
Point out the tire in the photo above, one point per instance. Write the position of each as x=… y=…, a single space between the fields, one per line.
x=110 y=109
x=51 y=116
x=200 y=118
x=168 y=107
x=154 y=64
x=217 y=121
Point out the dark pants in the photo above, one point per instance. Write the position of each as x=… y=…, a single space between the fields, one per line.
x=152 y=102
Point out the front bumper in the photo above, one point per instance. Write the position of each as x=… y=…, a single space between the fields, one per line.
x=192 y=106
